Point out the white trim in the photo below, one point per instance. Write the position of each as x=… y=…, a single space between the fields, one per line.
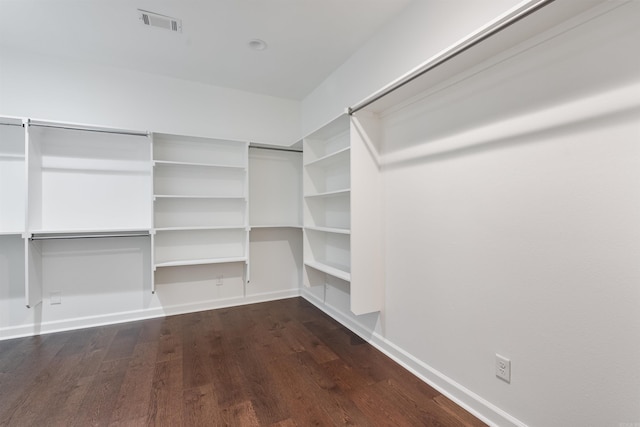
x=465 y=398
x=136 y=315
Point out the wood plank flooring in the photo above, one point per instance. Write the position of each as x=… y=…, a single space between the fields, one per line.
x=282 y=363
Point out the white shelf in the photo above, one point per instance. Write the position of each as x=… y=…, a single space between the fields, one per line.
x=9 y=156
x=11 y=233
x=187 y=228
x=180 y=196
x=92 y=231
x=195 y=150
x=331 y=158
x=199 y=212
x=329 y=229
x=200 y=262
x=199 y=165
x=277 y=226
x=335 y=270
x=344 y=192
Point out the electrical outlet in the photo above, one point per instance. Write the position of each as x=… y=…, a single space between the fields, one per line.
x=503 y=368
x=219 y=280
x=55 y=297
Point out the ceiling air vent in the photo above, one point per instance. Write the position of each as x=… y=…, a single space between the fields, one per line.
x=160 y=21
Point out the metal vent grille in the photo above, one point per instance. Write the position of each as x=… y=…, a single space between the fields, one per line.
x=160 y=21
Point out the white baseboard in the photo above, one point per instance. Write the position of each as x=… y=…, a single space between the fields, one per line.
x=131 y=316
x=476 y=405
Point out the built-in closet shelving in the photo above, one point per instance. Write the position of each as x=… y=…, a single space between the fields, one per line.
x=87 y=180
x=200 y=188
x=327 y=198
x=60 y=181
x=341 y=192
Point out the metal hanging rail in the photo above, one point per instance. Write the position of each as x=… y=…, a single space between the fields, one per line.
x=275 y=148
x=454 y=51
x=67 y=236
x=86 y=128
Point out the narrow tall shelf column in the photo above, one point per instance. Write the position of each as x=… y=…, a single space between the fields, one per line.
x=342 y=213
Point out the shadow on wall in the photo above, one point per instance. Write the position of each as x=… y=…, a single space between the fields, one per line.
x=481 y=140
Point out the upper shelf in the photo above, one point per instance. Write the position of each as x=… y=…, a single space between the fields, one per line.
x=330 y=159
x=336 y=193
x=193 y=151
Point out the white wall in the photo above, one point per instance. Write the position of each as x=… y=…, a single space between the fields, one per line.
x=418 y=33
x=50 y=88
x=511 y=205
x=109 y=280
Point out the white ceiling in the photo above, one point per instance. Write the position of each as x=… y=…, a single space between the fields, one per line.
x=307 y=39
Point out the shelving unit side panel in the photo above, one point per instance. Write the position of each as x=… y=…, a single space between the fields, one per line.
x=367 y=260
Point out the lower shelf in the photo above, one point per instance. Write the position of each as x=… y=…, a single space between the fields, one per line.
x=335 y=270
x=200 y=262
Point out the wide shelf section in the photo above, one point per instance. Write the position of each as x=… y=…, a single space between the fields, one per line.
x=277 y=226
x=198 y=181
x=189 y=228
x=67 y=235
x=205 y=261
x=190 y=247
x=83 y=179
x=196 y=150
x=196 y=164
x=172 y=212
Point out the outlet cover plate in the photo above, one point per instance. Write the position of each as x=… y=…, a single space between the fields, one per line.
x=503 y=368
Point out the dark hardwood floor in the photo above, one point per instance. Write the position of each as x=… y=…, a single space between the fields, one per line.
x=281 y=363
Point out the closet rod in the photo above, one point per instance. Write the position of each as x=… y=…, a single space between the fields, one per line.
x=263 y=147
x=452 y=52
x=87 y=129
x=85 y=236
